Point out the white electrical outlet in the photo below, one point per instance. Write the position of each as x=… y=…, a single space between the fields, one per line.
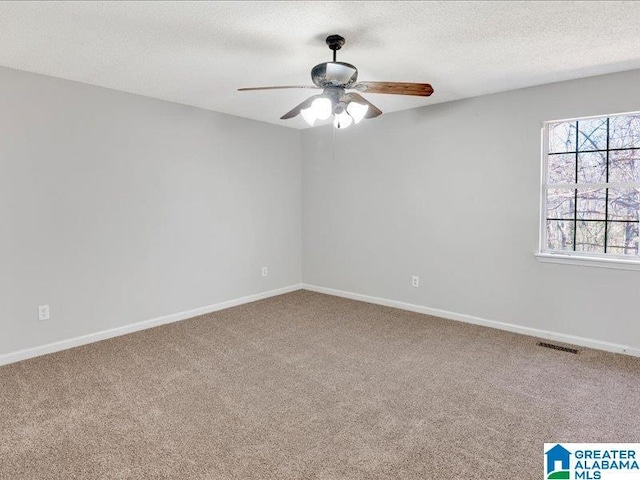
x=265 y=271
x=415 y=281
x=43 y=312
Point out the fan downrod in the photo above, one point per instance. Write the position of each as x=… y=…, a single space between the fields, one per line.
x=335 y=43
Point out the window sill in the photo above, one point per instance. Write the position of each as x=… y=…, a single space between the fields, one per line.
x=584 y=261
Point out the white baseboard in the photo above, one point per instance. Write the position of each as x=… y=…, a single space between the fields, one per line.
x=460 y=317
x=135 y=327
x=176 y=317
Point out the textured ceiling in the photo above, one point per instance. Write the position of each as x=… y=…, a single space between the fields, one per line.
x=198 y=53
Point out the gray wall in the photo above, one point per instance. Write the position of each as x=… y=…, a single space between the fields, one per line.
x=116 y=208
x=451 y=193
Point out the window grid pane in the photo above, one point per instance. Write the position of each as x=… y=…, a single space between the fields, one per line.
x=606 y=197
x=592 y=217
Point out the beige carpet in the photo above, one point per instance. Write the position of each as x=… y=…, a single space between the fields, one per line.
x=308 y=386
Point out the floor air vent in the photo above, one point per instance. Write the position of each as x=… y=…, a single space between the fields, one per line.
x=557 y=347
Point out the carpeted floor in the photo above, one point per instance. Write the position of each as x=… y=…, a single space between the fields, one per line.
x=308 y=386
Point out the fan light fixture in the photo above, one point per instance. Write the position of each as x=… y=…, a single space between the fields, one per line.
x=357 y=111
x=321 y=109
x=342 y=120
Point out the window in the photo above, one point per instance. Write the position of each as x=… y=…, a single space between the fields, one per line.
x=591 y=187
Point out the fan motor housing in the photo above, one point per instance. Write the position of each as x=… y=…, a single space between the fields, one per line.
x=334 y=74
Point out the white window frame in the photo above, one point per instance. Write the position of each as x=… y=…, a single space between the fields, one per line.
x=603 y=260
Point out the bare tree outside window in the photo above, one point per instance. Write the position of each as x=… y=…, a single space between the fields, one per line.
x=592 y=186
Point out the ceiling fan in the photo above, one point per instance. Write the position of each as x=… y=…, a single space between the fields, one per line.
x=338 y=80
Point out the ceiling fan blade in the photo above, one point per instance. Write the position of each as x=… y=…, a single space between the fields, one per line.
x=395 y=88
x=296 y=110
x=372 y=112
x=277 y=88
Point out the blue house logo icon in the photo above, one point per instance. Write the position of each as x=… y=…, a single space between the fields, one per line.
x=558 y=463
